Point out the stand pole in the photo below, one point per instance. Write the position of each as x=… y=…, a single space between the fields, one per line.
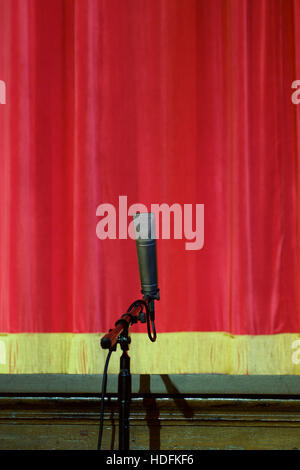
x=124 y=395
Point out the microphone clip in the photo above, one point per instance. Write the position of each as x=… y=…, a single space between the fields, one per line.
x=150 y=295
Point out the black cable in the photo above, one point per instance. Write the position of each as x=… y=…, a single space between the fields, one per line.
x=152 y=338
x=104 y=382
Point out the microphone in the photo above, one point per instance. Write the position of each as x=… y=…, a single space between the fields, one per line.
x=144 y=226
x=144 y=229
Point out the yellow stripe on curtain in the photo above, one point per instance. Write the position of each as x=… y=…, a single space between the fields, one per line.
x=221 y=353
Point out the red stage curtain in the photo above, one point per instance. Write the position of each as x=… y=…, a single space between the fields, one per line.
x=163 y=101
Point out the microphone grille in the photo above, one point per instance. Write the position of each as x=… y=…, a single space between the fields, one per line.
x=144 y=226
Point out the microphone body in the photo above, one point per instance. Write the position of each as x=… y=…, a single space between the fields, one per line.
x=144 y=224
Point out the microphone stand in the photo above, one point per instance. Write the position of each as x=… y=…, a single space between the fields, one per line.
x=120 y=335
